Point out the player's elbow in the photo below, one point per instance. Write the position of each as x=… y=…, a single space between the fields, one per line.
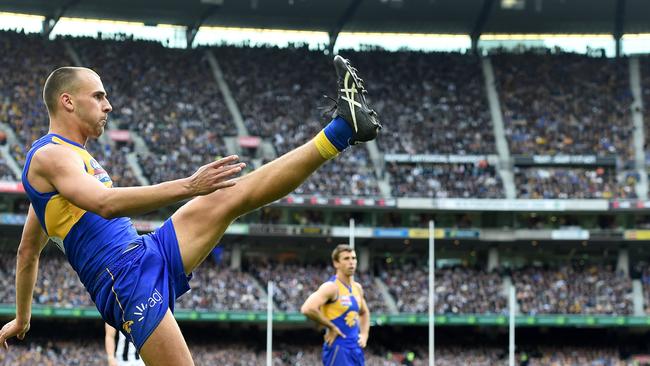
x=106 y=211
x=306 y=310
x=106 y=208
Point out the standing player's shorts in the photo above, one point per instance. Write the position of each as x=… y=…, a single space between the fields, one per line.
x=340 y=355
x=134 y=293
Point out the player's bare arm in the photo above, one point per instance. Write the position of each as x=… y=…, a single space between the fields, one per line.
x=57 y=167
x=364 y=318
x=32 y=242
x=312 y=309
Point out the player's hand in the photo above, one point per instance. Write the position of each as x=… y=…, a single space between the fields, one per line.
x=112 y=361
x=13 y=329
x=363 y=340
x=215 y=175
x=331 y=335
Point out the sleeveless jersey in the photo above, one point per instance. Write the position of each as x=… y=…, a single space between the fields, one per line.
x=344 y=312
x=89 y=241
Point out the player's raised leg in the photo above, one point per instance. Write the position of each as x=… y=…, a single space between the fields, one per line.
x=200 y=223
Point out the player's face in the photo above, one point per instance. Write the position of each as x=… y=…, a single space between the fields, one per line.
x=347 y=263
x=92 y=106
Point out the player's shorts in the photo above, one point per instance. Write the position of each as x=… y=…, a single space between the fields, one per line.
x=340 y=355
x=134 y=293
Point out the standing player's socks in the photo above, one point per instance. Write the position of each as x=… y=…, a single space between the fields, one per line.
x=334 y=138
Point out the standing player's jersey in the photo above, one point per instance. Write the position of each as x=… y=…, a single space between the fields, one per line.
x=125 y=352
x=89 y=241
x=344 y=313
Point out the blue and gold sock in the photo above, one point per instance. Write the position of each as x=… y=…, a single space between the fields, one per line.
x=333 y=138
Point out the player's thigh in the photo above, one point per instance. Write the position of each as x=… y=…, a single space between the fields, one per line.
x=166 y=345
x=200 y=224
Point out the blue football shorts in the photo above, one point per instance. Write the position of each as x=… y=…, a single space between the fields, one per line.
x=341 y=355
x=134 y=293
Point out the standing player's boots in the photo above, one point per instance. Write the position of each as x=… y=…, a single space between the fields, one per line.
x=351 y=103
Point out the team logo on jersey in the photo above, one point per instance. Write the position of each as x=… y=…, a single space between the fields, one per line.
x=351 y=318
x=346 y=300
x=154 y=300
x=99 y=173
x=127 y=326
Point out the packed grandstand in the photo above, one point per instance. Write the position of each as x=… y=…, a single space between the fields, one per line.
x=439 y=142
x=436 y=101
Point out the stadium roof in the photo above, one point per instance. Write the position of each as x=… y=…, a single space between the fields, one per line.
x=416 y=16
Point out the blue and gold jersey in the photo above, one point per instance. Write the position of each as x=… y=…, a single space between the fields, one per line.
x=344 y=312
x=89 y=241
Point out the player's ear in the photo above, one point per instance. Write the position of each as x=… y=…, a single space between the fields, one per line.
x=66 y=102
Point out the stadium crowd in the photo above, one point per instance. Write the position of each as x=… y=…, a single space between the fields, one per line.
x=432 y=103
x=643 y=269
x=445 y=180
x=596 y=289
x=21 y=105
x=459 y=290
x=442 y=106
x=54 y=353
x=582 y=107
x=57 y=284
x=5 y=172
x=349 y=175
x=574 y=356
x=563 y=183
x=215 y=288
x=645 y=97
x=90 y=352
x=566 y=290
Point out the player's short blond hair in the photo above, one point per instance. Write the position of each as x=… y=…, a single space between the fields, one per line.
x=62 y=80
x=340 y=249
